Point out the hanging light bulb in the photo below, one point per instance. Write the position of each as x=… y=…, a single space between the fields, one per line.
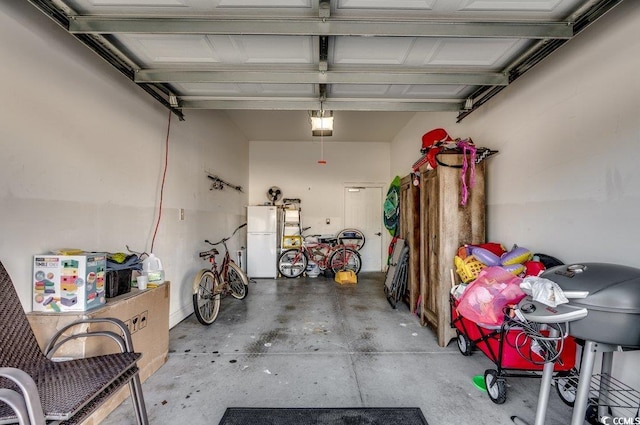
x=321 y=123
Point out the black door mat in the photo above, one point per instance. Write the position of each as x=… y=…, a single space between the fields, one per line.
x=322 y=416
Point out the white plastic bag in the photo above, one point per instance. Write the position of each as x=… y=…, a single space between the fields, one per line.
x=543 y=290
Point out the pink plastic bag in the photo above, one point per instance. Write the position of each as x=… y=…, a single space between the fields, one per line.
x=484 y=299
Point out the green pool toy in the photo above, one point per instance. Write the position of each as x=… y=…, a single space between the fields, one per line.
x=391 y=206
x=478 y=381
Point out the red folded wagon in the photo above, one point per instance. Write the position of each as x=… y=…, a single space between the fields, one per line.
x=511 y=349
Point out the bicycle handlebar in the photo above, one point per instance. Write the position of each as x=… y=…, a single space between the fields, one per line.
x=223 y=240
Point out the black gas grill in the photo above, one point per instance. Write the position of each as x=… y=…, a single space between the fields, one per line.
x=604 y=311
x=611 y=295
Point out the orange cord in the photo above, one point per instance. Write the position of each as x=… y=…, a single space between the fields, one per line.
x=164 y=175
x=322 y=161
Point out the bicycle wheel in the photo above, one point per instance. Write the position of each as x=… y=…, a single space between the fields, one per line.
x=292 y=263
x=344 y=258
x=238 y=281
x=206 y=305
x=351 y=237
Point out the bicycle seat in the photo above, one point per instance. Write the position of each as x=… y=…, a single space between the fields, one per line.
x=328 y=240
x=212 y=251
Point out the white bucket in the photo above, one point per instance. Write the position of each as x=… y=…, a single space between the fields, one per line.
x=312 y=269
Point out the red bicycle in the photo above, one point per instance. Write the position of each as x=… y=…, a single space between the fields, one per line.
x=327 y=253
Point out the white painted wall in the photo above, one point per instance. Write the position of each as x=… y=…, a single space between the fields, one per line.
x=83 y=155
x=566 y=181
x=294 y=168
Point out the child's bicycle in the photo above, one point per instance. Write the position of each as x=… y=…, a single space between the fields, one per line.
x=210 y=285
x=327 y=253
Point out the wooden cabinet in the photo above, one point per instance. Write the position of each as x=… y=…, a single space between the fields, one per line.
x=445 y=225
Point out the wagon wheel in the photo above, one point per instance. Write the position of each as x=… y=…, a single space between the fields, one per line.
x=464 y=344
x=566 y=386
x=496 y=387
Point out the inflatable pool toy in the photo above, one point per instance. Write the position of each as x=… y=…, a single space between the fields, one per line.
x=517 y=255
x=485 y=256
x=392 y=206
x=515 y=269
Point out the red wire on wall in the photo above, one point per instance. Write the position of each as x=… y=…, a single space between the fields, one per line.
x=164 y=175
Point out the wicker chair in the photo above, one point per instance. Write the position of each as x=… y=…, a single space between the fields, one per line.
x=36 y=390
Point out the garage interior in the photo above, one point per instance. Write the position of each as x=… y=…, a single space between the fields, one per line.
x=115 y=149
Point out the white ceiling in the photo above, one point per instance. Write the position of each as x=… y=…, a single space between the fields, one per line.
x=294 y=126
x=356 y=57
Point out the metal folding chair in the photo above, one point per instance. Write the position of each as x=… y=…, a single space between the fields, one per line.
x=35 y=390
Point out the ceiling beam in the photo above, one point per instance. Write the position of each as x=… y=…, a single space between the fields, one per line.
x=314 y=104
x=317 y=27
x=293 y=76
x=586 y=15
x=398 y=105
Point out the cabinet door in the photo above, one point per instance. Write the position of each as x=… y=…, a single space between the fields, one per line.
x=429 y=218
x=410 y=232
x=432 y=248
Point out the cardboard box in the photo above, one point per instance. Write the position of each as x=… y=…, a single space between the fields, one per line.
x=146 y=313
x=69 y=282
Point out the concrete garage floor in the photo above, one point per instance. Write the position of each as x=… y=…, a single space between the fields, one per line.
x=313 y=343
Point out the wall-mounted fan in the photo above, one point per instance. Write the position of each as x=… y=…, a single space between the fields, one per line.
x=274 y=194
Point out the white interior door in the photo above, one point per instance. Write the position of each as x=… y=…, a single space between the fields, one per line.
x=363 y=211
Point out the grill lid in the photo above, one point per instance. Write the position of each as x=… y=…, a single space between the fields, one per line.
x=611 y=287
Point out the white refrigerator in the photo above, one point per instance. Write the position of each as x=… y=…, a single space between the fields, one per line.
x=262 y=241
